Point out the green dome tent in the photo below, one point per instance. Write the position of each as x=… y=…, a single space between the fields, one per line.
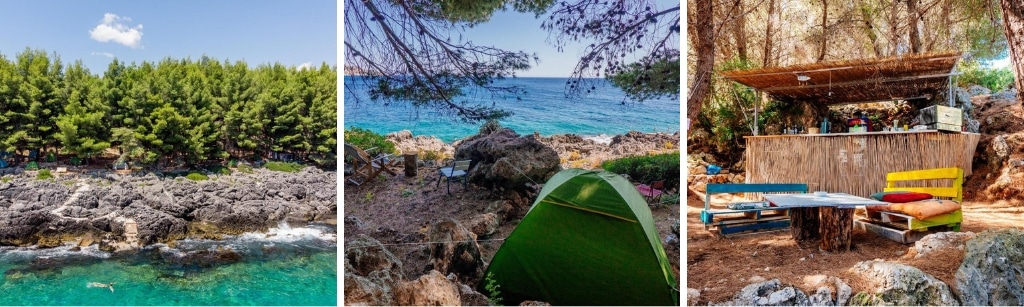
x=589 y=239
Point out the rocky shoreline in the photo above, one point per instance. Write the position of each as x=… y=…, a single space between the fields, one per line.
x=96 y=209
x=574 y=151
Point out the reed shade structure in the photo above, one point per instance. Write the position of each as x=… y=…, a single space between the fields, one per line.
x=854 y=81
x=855 y=163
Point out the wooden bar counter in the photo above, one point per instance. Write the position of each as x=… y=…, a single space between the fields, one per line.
x=854 y=163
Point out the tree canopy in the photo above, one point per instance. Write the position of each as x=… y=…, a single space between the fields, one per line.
x=172 y=110
x=413 y=50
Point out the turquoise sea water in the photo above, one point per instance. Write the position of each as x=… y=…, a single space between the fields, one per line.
x=284 y=267
x=543 y=109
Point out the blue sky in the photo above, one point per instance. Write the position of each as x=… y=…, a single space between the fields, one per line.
x=260 y=31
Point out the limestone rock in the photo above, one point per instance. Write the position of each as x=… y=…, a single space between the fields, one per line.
x=977 y=90
x=485 y=224
x=432 y=289
x=998 y=152
x=993 y=269
x=941 y=240
x=899 y=284
x=534 y=303
x=470 y=297
x=371 y=273
x=456 y=251
x=507 y=160
x=830 y=290
x=769 y=293
x=692 y=296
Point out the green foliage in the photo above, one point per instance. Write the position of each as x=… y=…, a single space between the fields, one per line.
x=219 y=169
x=287 y=167
x=642 y=81
x=245 y=168
x=995 y=79
x=368 y=196
x=6 y=179
x=44 y=174
x=493 y=290
x=490 y=126
x=195 y=176
x=173 y=110
x=369 y=141
x=646 y=169
x=407 y=192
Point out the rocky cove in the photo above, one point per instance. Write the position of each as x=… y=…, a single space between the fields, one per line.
x=93 y=209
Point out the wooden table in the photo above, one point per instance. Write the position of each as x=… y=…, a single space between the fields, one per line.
x=828 y=217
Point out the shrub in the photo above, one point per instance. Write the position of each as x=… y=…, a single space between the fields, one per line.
x=490 y=126
x=194 y=176
x=219 y=169
x=245 y=168
x=287 y=167
x=367 y=139
x=993 y=79
x=646 y=169
x=44 y=174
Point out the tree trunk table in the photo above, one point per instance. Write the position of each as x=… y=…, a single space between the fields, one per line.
x=828 y=217
x=410 y=163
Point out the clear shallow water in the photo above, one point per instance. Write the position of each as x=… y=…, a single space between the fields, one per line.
x=544 y=109
x=284 y=267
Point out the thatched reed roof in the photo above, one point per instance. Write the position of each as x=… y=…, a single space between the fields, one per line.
x=854 y=81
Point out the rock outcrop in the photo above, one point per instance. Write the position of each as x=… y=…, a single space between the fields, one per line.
x=504 y=159
x=39 y=211
x=371 y=273
x=431 y=289
x=899 y=284
x=456 y=250
x=769 y=293
x=992 y=272
x=829 y=290
x=939 y=241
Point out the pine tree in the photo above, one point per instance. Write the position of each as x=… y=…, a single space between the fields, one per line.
x=82 y=130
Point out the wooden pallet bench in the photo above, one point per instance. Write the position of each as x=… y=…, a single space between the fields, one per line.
x=908 y=229
x=731 y=221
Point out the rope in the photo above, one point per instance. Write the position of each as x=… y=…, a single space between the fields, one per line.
x=425 y=243
x=523 y=173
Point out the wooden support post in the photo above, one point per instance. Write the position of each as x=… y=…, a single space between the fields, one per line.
x=410 y=164
x=804 y=223
x=836 y=229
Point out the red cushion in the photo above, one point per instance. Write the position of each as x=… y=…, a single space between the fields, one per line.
x=905 y=197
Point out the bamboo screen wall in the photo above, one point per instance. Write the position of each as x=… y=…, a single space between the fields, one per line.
x=854 y=163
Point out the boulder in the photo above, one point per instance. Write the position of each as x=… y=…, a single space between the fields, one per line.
x=992 y=272
x=997 y=152
x=900 y=284
x=534 y=303
x=405 y=142
x=1010 y=94
x=371 y=274
x=504 y=159
x=485 y=224
x=942 y=240
x=470 y=297
x=432 y=289
x=692 y=296
x=978 y=90
x=455 y=251
x=829 y=290
x=769 y=293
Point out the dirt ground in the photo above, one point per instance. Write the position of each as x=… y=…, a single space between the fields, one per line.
x=399 y=210
x=720 y=267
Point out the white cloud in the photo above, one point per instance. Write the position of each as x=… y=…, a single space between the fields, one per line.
x=307 y=65
x=106 y=54
x=113 y=28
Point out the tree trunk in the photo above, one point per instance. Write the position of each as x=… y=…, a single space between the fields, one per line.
x=894 y=33
x=869 y=28
x=766 y=60
x=740 y=33
x=823 y=48
x=915 y=34
x=700 y=88
x=804 y=224
x=1013 y=26
x=836 y=229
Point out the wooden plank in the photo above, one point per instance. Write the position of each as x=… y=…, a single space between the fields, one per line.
x=735 y=221
x=805 y=224
x=719 y=188
x=762 y=226
x=836 y=229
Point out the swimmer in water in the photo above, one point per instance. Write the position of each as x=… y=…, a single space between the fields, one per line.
x=102 y=285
